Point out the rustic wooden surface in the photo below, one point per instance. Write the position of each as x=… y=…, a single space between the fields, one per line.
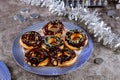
x=108 y=70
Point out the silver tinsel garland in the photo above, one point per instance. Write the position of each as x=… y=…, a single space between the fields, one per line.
x=55 y=6
x=94 y=23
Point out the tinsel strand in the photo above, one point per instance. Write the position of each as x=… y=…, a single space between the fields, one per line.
x=54 y=6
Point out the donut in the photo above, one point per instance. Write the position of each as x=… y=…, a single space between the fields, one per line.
x=63 y=57
x=30 y=39
x=54 y=27
x=52 y=42
x=37 y=57
x=75 y=39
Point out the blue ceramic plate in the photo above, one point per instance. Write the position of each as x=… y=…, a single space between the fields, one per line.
x=4 y=72
x=18 y=55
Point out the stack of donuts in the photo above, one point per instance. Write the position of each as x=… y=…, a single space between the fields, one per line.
x=56 y=48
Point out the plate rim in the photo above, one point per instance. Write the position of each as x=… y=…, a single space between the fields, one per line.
x=5 y=68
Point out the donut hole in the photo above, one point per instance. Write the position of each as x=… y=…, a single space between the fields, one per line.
x=33 y=55
x=53 y=28
x=59 y=54
x=67 y=54
x=76 y=37
x=52 y=41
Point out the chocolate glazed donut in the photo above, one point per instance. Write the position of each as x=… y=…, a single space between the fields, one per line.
x=31 y=39
x=37 y=57
x=53 y=28
x=53 y=42
x=75 y=39
x=63 y=57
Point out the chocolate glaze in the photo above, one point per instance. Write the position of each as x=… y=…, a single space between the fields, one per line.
x=32 y=38
x=54 y=24
x=51 y=47
x=63 y=57
x=36 y=55
x=76 y=44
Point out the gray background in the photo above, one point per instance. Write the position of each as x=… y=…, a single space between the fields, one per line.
x=108 y=70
